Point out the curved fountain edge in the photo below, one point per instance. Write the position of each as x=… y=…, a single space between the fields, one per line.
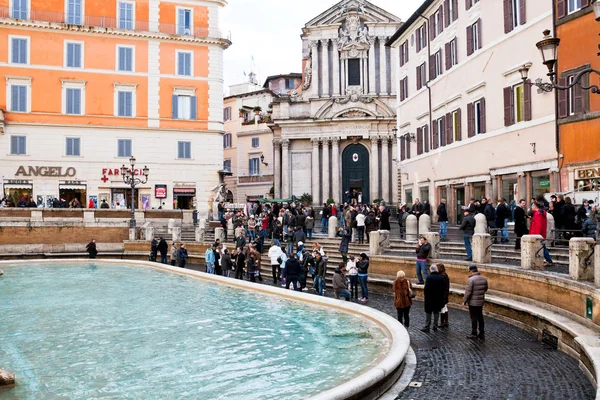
x=369 y=385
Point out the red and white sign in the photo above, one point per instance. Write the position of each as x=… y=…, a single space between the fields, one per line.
x=160 y=191
x=116 y=172
x=355 y=157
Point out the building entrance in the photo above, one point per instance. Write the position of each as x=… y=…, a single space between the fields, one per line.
x=355 y=172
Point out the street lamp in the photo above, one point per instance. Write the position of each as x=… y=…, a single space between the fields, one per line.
x=129 y=177
x=548 y=47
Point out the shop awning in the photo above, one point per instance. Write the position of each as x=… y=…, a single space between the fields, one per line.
x=73 y=187
x=18 y=186
x=184 y=190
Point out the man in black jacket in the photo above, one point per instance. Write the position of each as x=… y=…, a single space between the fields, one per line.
x=520 y=223
x=293 y=272
x=325 y=214
x=423 y=250
x=163 y=249
x=490 y=216
x=468 y=228
x=434 y=298
x=502 y=217
x=443 y=219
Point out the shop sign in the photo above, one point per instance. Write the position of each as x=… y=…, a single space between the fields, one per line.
x=45 y=171
x=587 y=173
x=160 y=191
x=70 y=182
x=17 y=182
x=117 y=172
x=545 y=184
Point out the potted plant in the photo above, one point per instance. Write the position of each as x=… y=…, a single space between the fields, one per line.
x=257 y=110
x=242 y=112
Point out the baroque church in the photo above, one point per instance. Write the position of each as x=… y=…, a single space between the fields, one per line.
x=336 y=132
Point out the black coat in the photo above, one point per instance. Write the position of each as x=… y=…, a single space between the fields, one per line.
x=520 y=222
x=568 y=216
x=163 y=247
x=293 y=268
x=346 y=237
x=442 y=213
x=489 y=213
x=384 y=220
x=501 y=214
x=435 y=288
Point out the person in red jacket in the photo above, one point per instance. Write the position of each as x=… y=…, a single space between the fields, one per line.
x=539 y=226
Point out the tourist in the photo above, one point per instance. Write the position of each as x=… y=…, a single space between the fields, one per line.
x=261 y=235
x=251 y=265
x=317 y=247
x=283 y=259
x=444 y=312
x=240 y=240
x=590 y=225
x=104 y=204
x=520 y=223
x=274 y=254
x=320 y=271
x=403 y=295
x=360 y=227
x=468 y=228
x=153 y=249
x=91 y=249
x=353 y=275
x=502 y=217
x=298 y=237
x=474 y=297
x=309 y=224
x=434 y=298
x=163 y=249
x=240 y=263
x=363 y=276
x=182 y=255
x=251 y=228
x=423 y=249
x=443 y=220
x=173 y=254
x=277 y=231
x=400 y=217
x=384 y=218
x=258 y=260
x=568 y=218
x=293 y=270
x=346 y=237
x=539 y=226
x=226 y=263
x=325 y=214
x=340 y=285
x=370 y=224
x=209 y=258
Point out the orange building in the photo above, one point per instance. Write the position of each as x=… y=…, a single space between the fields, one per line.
x=90 y=83
x=578 y=109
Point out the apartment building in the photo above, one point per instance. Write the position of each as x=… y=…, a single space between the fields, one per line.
x=91 y=83
x=468 y=125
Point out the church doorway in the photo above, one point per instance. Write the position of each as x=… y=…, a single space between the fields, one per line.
x=355 y=172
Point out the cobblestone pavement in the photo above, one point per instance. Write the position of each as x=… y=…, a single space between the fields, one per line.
x=509 y=365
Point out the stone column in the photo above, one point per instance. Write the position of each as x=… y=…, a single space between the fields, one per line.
x=332 y=227
x=315 y=173
x=424 y=224
x=482 y=248
x=230 y=229
x=597 y=265
x=395 y=171
x=326 y=176
x=132 y=235
x=581 y=265
x=374 y=168
x=336 y=69
x=325 y=67
x=412 y=226
x=372 y=72
x=364 y=74
x=335 y=168
x=434 y=240
x=393 y=71
x=200 y=232
x=277 y=168
x=315 y=68
x=379 y=241
x=385 y=169
x=481 y=224
x=382 y=68
x=285 y=168
x=343 y=73
x=149 y=233
x=532 y=256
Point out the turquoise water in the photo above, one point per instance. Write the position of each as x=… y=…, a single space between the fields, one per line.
x=91 y=331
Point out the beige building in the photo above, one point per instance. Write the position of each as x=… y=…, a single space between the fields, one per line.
x=468 y=125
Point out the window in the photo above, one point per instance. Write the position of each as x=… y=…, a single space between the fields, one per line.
x=18 y=98
x=19 y=50
x=455 y=127
x=421 y=76
x=125 y=103
x=438 y=137
x=184 y=150
x=74 y=55
x=227 y=141
x=184 y=107
x=125 y=58
x=437 y=64
x=254 y=166
x=73 y=101
x=353 y=72
x=404 y=89
x=125 y=15
x=476 y=117
x=73 y=147
x=451 y=54
x=404 y=53
x=20 y=9
x=289 y=84
x=474 y=37
x=451 y=7
x=421 y=38
x=423 y=139
x=574 y=101
x=517 y=103
x=575 y=5
x=471 y=3
x=571 y=96
x=18 y=145
x=124 y=148
x=438 y=22
x=405 y=147
x=184 y=63
x=227 y=114
x=74 y=12
x=184 y=21
x=255 y=142
x=514 y=14
x=227 y=165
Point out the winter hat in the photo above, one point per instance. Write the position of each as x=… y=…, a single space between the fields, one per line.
x=433 y=268
x=473 y=268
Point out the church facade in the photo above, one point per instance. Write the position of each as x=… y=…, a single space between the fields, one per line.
x=336 y=132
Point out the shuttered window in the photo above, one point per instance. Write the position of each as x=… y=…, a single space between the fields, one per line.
x=451 y=54
x=125 y=15
x=184 y=150
x=515 y=14
x=125 y=59
x=74 y=55
x=73 y=101
x=574 y=101
x=184 y=21
x=474 y=41
x=124 y=148
x=255 y=142
x=254 y=166
x=19 y=53
x=74 y=12
x=125 y=104
x=184 y=107
x=450 y=11
x=18 y=98
x=20 y=9
x=517 y=103
x=73 y=147
x=476 y=123
x=18 y=145
x=184 y=63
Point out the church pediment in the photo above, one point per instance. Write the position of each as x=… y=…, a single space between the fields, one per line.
x=334 y=109
x=367 y=11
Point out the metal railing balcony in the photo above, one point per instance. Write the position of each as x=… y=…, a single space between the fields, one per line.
x=108 y=22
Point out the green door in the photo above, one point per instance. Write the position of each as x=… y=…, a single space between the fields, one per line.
x=355 y=171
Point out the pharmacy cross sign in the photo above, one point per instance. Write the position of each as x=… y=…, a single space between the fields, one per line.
x=104 y=179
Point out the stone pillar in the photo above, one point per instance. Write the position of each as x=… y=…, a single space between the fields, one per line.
x=316 y=169
x=335 y=168
x=170 y=225
x=482 y=248
x=385 y=169
x=176 y=234
x=277 y=168
x=393 y=71
x=132 y=234
x=379 y=241
x=372 y=72
x=395 y=172
x=200 y=232
x=326 y=176
x=481 y=224
x=532 y=254
x=343 y=76
x=434 y=240
x=220 y=234
x=325 y=67
x=88 y=216
x=551 y=225
x=581 y=265
x=424 y=224
x=36 y=215
x=315 y=68
x=230 y=230
x=333 y=227
x=285 y=168
x=374 y=168
x=149 y=233
x=336 y=69
x=596 y=265
x=412 y=226
x=382 y=68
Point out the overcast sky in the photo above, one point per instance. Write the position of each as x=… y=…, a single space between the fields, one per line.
x=270 y=31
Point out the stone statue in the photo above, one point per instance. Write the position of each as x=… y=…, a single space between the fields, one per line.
x=307 y=73
x=218 y=194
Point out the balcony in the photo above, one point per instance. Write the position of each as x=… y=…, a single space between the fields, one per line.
x=108 y=23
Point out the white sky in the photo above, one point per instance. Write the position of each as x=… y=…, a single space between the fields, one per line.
x=270 y=31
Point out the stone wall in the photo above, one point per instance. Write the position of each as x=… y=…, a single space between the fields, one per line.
x=24 y=235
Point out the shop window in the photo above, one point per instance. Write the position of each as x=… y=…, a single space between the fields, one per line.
x=18 y=145
x=254 y=166
x=124 y=148
x=73 y=147
x=74 y=55
x=126 y=15
x=184 y=107
x=20 y=9
x=19 y=50
x=74 y=12
x=184 y=150
x=424 y=194
x=184 y=21
x=184 y=63
x=125 y=58
x=255 y=142
x=354 y=72
x=408 y=196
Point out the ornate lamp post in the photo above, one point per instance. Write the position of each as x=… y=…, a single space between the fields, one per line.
x=129 y=177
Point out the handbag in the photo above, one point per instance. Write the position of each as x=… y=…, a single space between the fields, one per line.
x=411 y=294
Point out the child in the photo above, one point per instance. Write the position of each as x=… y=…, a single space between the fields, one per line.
x=353 y=274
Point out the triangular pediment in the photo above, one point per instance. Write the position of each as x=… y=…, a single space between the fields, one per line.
x=369 y=12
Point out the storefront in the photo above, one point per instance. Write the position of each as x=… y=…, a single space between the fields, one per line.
x=14 y=190
x=121 y=198
x=71 y=190
x=587 y=179
x=184 y=198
